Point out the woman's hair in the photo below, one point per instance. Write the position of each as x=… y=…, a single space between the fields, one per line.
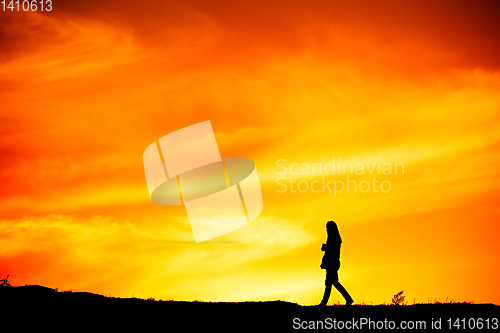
x=333 y=232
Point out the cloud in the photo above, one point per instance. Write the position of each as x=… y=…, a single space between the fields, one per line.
x=72 y=47
x=96 y=248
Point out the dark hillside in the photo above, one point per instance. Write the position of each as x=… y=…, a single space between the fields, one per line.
x=36 y=307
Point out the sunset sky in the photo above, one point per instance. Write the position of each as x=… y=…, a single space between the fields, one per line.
x=86 y=87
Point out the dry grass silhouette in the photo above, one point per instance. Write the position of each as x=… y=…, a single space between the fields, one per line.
x=398 y=299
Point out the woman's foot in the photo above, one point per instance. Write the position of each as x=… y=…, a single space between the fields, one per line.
x=349 y=301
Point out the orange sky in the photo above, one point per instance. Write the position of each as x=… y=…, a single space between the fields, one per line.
x=84 y=89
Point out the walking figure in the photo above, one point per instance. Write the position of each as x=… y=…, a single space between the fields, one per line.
x=331 y=263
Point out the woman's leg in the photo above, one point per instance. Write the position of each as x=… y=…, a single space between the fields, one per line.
x=345 y=294
x=326 y=296
x=328 y=287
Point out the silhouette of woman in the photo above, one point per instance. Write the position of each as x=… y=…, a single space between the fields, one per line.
x=331 y=262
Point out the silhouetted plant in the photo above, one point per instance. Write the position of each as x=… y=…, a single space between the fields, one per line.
x=398 y=299
x=5 y=282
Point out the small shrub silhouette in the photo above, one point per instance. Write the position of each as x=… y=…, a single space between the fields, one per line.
x=398 y=299
x=5 y=282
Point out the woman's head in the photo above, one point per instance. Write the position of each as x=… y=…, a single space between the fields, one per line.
x=333 y=232
x=331 y=226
